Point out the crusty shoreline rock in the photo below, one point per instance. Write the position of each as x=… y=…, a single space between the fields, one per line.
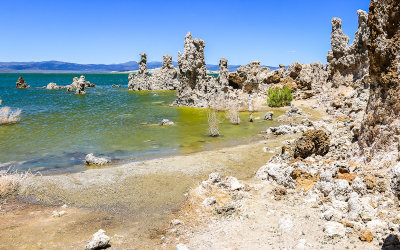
x=99 y=241
x=90 y=159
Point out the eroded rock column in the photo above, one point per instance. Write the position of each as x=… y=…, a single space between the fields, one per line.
x=380 y=132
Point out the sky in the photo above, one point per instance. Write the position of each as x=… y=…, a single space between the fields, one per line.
x=99 y=31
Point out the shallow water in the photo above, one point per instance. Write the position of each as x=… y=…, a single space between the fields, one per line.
x=57 y=129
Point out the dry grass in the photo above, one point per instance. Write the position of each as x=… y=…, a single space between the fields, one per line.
x=10 y=181
x=7 y=116
x=213 y=123
x=233 y=116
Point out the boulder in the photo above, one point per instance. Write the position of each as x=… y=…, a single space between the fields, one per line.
x=268 y=115
x=21 y=84
x=312 y=142
x=99 y=240
x=334 y=229
x=90 y=159
x=166 y=122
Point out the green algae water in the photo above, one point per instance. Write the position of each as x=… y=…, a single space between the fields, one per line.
x=57 y=129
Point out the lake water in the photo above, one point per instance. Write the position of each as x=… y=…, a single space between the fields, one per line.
x=57 y=129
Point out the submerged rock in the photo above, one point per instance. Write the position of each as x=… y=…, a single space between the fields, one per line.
x=99 y=240
x=166 y=122
x=90 y=159
x=21 y=84
x=268 y=115
x=53 y=85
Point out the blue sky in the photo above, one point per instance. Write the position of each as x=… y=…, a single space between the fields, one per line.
x=99 y=31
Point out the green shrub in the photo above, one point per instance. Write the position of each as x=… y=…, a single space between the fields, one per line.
x=279 y=97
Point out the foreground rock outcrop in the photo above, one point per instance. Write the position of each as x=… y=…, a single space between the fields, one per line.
x=380 y=132
x=21 y=84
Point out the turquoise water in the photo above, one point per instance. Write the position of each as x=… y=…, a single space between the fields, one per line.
x=57 y=129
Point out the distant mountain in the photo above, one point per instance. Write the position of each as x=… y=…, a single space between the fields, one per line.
x=58 y=67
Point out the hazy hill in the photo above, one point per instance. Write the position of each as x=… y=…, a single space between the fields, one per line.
x=57 y=66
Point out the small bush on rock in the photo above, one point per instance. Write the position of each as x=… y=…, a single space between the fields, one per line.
x=279 y=97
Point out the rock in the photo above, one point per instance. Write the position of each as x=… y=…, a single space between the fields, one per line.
x=176 y=222
x=334 y=229
x=116 y=86
x=341 y=190
x=286 y=224
x=181 y=246
x=395 y=179
x=379 y=136
x=227 y=91
x=81 y=86
x=53 y=85
x=58 y=214
x=90 y=159
x=209 y=202
x=370 y=182
x=359 y=186
x=214 y=178
x=347 y=65
x=165 y=78
x=293 y=70
x=99 y=240
x=21 y=84
x=294 y=111
x=166 y=122
x=279 y=192
x=377 y=226
x=268 y=115
x=278 y=172
x=141 y=79
x=232 y=183
x=366 y=235
x=228 y=209
x=312 y=142
x=347 y=176
x=302 y=244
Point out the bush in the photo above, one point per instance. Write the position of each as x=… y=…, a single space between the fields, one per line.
x=279 y=97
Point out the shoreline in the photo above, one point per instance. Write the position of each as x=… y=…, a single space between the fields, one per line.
x=144 y=194
x=132 y=202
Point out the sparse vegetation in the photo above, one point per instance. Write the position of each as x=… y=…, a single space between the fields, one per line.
x=10 y=181
x=213 y=123
x=279 y=97
x=233 y=116
x=8 y=116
